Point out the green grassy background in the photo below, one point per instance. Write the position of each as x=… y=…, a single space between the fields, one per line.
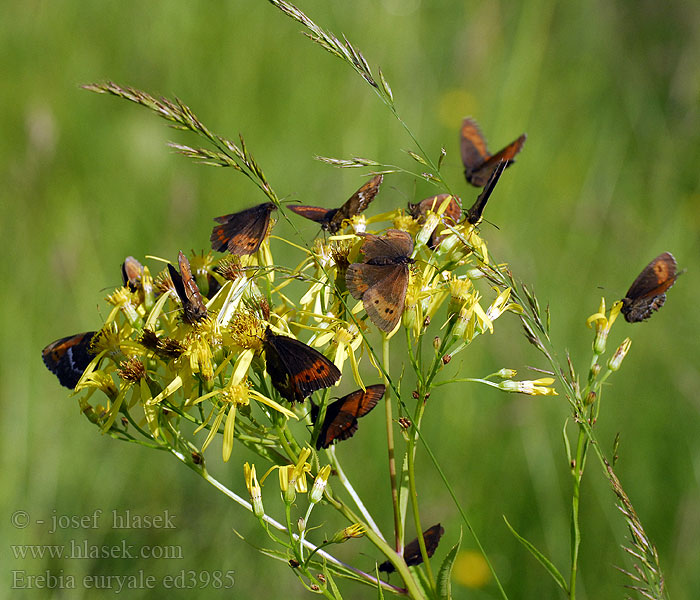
x=608 y=93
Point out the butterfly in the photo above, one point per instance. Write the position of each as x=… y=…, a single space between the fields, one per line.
x=475 y=212
x=478 y=163
x=452 y=214
x=381 y=280
x=340 y=422
x=242 y=232
x=411 y=553
x=296 y=370
x=68 y=357
x=332 y=220
x=647 y=292
x=188 y=291
x=132 y=270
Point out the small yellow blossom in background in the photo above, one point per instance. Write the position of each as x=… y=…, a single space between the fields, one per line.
x=471 y=570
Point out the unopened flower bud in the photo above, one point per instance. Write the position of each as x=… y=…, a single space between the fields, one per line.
x=319 y=484
x=506 y=373
x=617 y=358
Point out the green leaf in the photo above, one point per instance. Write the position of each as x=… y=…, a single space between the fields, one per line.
x=331 y=582
x=444 y=576
x=380 y=594
x=403 y=491
x=544 y=561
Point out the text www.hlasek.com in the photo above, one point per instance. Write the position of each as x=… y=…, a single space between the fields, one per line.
x=83 y=550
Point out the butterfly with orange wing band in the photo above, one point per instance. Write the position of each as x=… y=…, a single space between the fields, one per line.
x=68 y=357
x=193 y=308
x=296 y=369
x=331 y=220
x=340 y=422
x=648 y=292
x=478 y=162
x=242 y=232
x=382 y=279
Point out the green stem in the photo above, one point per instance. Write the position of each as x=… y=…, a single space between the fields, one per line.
x=420 y=410
x=350 y=490
x=388 y=415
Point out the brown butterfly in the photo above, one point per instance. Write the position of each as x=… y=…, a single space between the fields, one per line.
x=647 y=292
x=411 y=553
x=296 y=370
x=452 y=214
x=478 y=162
x=340 y=422
x=332 y=220
x=132 y=270
x=475 y=212
x=188 y=291
x=242 y=232
x=68 y=357
x=381 y=280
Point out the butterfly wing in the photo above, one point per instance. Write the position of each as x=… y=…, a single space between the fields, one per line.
x=472 y=146
x=659 y=275
x=360 y=277
x=453 y=211
x=475 y=212
x=412 y=554
x=132 y=270
x=393 y=244
x=188 y=291
x=358 y=202
x=384 y=301
x=242 y=232
x=340 y=422
x=480 y=175
x=296 y=369
x=647 y=292
x=431 y=537
x=68 y=357
x=314 y=213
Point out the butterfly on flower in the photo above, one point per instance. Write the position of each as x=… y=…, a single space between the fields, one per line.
x=68 y=357
x=381 y=280
x=187 y=290
x=242 y=232
x=331 y=220
x=296 y=369
x=340 y=422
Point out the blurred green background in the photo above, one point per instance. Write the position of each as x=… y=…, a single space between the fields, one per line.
x=609 y=95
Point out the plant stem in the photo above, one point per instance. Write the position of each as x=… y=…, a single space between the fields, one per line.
x=398 y=530
x=353 y=494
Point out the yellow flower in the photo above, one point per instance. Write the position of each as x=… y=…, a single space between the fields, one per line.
x=353 y=531
x=603 y=324
x=500 y=305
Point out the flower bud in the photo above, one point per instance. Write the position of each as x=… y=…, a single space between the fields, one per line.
x=319 y=484
x=617 y=358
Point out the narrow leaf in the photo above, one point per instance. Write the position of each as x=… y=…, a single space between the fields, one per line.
x=544 y=561
x=444 y=576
